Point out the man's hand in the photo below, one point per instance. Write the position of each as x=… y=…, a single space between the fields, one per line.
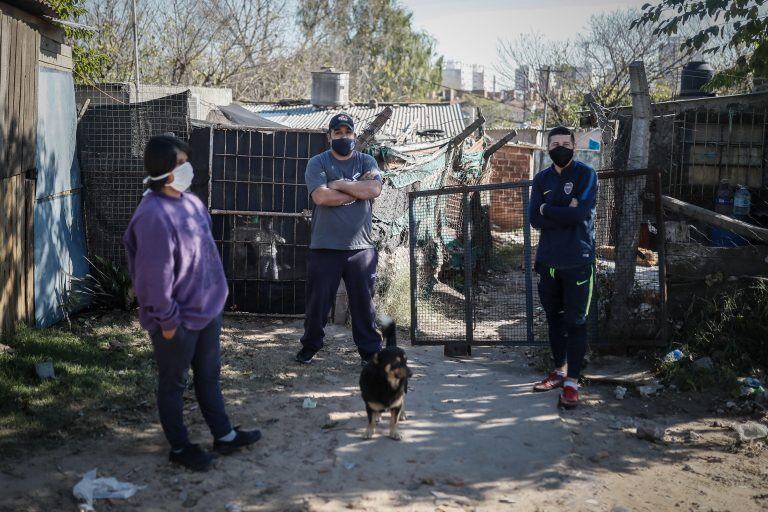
x=370 y=175
x=168 y=335
x=335 y=185
x=574 y=203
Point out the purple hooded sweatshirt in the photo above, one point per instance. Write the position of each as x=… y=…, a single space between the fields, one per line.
x=174 y=263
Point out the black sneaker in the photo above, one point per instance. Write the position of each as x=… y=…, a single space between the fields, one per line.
x=242 y=438
x=305 y=355
x=192 y=457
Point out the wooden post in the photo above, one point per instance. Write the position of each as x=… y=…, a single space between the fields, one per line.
x=631 y=205
x=366 y=137
x=498 y=145
x=715 y=219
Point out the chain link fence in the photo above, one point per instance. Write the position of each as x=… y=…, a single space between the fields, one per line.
x=474 y=281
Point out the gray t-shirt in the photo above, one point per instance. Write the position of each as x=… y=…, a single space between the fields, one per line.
x=347 y=226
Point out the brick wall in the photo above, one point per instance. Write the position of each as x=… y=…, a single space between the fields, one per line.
x=510 y=163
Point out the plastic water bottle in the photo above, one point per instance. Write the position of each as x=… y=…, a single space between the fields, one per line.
x=724 y=198
x=741 y=202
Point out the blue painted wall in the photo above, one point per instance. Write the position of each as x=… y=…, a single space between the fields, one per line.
x=59 y=233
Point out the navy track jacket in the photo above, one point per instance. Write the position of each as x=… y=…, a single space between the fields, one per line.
x=567 y=234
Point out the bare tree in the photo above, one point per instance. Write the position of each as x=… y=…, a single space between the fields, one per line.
x=596 y=62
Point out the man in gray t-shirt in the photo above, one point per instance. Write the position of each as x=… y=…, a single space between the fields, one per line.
x=342 y=184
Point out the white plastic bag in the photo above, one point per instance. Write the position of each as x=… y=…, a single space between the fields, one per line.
x=90 y=488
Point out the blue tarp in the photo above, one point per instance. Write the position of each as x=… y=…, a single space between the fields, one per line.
x=59 y=235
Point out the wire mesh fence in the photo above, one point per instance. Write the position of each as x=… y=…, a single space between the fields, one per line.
x=114 y=126
x=261 y=222
x=473 y=269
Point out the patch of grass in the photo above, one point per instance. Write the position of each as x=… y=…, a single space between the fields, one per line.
x=108 y=368
x=394 y=295
x=732 y=329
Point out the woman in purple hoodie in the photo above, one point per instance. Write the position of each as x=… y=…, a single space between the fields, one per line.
x=181 y=289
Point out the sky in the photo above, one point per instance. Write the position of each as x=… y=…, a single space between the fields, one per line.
x=469 y=31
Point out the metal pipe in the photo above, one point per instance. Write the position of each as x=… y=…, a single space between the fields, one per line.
x=136 y=49
x=261 y=214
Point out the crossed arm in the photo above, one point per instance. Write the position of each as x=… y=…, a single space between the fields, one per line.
x=546 y=216
x=339 y=192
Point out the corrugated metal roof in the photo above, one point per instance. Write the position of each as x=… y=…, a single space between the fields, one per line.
x=429 y=117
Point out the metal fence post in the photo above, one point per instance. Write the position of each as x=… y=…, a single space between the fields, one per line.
x=528 y=267
x=467 y=265
x=661 y=244
x=412 y=258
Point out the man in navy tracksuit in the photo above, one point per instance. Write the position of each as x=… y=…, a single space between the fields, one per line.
x=562 y=207
x=342 y=184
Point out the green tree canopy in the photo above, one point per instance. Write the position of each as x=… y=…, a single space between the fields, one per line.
x=740 y=25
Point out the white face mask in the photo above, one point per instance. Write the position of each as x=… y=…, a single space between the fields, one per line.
x=182 y=177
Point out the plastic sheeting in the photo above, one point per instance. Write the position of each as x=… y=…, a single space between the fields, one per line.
x=59 y=237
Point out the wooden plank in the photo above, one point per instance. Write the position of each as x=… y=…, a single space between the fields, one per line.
x=5 y=54
x=13 y=101
x=715 y=219
x=29 y=251
x=27 y=97
x=5 y=283
x=480 y=121
x=19 y=210
x=366 y=137
x=499 y=144
x=41 y=25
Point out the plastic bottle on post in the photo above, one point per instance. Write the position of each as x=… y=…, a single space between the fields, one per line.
x=741 y=202
x=724 y=198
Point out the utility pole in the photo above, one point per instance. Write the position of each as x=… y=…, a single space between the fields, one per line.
x=136 y=49
x=631 y=205
x=546 y=70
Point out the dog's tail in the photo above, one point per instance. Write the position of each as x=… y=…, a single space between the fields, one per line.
x=388 y=330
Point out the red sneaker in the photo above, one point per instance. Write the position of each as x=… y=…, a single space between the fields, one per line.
x=569 y=398
x=552 y=381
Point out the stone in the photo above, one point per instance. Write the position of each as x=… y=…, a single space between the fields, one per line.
x=653 y=433
x=703 y=363
x=751 y=431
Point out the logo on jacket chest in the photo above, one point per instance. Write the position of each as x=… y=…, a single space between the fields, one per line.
x=568 y=188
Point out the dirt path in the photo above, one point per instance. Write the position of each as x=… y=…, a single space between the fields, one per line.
x=476 y=439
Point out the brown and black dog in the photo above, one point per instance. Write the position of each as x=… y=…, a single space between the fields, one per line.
x=384 y=382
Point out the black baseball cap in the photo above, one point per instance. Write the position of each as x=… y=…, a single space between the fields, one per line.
x=341 y=119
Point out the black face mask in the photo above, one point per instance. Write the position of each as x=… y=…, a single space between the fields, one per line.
x=343 y=146
x=561 y=156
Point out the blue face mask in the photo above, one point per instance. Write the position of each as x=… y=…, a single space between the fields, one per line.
x=343 y=146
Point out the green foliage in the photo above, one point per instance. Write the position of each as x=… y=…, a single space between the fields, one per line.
x=89 y=62
x=393 y=295
x=732 y=329
x=375 y=40
x=733 y=24
x=107 y=286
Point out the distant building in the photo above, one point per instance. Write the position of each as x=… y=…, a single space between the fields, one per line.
x=467 y=77
x=523 y=79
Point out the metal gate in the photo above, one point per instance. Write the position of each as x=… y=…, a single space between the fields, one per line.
x=472 y=256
